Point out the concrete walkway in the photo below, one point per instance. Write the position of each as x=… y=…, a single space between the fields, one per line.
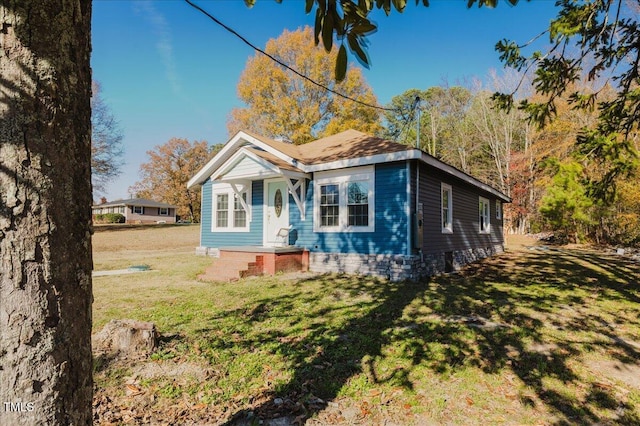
x=117 y=272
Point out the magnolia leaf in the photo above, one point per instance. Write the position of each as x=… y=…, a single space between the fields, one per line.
x=355 y=47
x=327 y=32
x=308 y=6
x=384 y=5
x=400 y=5
x=250 y=3
x=341 y=64
x=318 y=26
x=363 y=28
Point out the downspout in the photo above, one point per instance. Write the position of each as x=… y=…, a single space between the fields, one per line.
x=418 y=171
x=410 y=235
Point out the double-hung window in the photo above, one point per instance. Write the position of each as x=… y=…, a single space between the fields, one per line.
x=358 y=203
x=138 y=209
x=163 y=211
x=229 y=213
x=484 y=216
x=498 y=209
x=329 y=205
x=239 y=214
x=446 y=202
x=344 y=200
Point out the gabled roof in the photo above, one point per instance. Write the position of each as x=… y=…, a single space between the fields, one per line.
x=346 y=149
x=142 y=202
x=346 y=145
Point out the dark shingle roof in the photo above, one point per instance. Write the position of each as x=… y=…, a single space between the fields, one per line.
x=135 y=202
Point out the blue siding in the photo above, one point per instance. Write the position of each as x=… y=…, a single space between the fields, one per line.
x=391 y=221
x=222 y=239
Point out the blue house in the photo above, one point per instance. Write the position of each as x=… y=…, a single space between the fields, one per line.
x=349 y=202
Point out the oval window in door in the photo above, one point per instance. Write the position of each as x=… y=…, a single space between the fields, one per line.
x=277 y=202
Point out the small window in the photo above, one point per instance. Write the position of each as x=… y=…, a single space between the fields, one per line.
x=329 y=205
x=222 y=210
x=358 y=203
x=231 y=210
x=164 y=211
x=484 y=217
x=239 y=215
x=447 y=208
x=498 y=209
x=138 y=209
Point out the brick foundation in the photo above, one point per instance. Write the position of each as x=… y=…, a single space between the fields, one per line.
x=240 y=262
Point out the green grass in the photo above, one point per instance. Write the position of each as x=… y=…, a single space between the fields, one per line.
x=512 y=340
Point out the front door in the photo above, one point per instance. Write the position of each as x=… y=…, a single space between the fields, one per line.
x=276 y=214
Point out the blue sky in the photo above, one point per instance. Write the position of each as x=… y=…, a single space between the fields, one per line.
x=168 y=71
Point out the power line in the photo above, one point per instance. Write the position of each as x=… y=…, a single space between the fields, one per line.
x=279 y=62
x=408 y=118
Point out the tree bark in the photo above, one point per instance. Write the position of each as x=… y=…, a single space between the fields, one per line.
x=45 y=212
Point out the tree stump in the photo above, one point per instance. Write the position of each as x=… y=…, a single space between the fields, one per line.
x=126 y=338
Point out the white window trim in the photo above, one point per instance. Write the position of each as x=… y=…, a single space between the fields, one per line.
x=487 y=218
x=498 y=209
x=342 y=178
x=446 y=229
x=166 y=211
x=133 y=210
x=227 y=189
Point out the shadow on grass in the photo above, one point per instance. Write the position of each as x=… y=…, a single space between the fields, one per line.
x=495 y=316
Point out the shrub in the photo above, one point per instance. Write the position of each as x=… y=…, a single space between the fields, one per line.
x=109 y=218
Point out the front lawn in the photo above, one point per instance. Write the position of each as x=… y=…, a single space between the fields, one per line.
x=533 y=336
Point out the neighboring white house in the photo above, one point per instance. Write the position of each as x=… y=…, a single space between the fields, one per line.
x=138 y=210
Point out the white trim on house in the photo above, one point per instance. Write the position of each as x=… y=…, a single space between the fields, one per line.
x=228 y=151
x=432 y=161
x=484 y=215
x=269 y=149
x=448 y=228
x=222 y=189
x=342 y=178
x=297 y=191
x=268 y=237
x=242 y=138
x=255 y=167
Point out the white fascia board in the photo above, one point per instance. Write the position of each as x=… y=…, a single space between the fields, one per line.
x=410 y=154
x=227 y=151
x=294 y=175
x=364 y=161
x=218 y=159
x=270 y=149
x=228 y=165
x=462 y=176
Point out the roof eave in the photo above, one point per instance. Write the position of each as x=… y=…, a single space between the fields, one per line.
x=228 y=151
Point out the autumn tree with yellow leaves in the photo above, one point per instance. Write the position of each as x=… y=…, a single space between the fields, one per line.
x=280 y=104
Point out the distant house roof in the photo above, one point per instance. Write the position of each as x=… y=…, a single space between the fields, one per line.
x=143 y=202
x=346 y=149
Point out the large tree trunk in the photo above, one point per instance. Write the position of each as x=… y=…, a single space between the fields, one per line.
x=45 y=212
